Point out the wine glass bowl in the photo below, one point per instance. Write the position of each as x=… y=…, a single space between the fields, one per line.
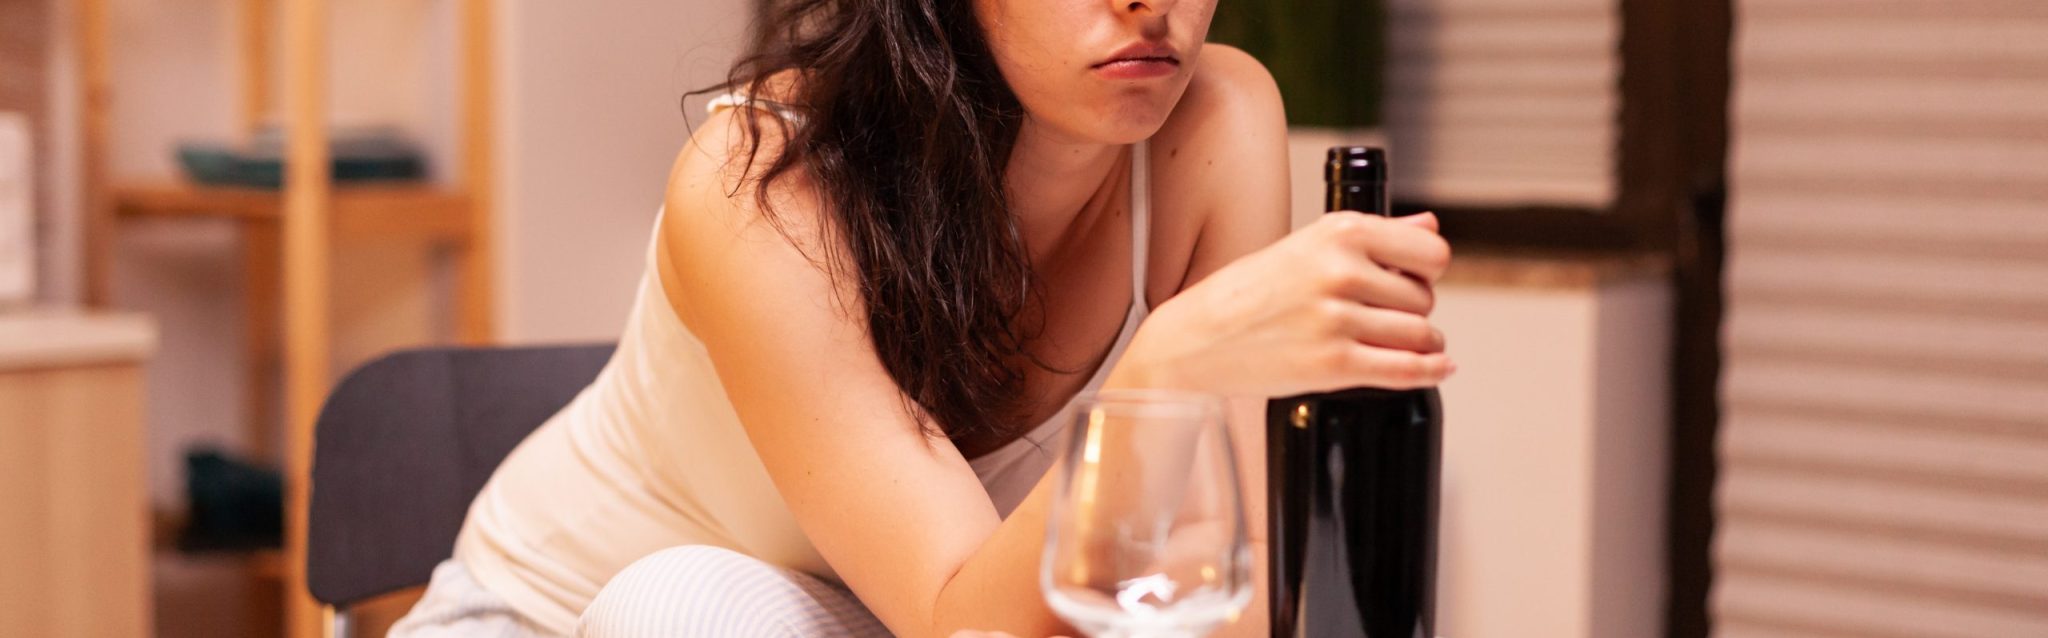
x=1147 y=534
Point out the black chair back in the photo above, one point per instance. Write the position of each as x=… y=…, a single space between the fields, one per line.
x=405 y=443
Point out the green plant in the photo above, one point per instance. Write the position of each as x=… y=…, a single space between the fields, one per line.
x=1328 y=55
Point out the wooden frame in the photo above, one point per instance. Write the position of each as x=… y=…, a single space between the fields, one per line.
x=289 y=235
x=307 y=275
x=1693 y=40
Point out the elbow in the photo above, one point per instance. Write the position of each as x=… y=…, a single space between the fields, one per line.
x=988 y=614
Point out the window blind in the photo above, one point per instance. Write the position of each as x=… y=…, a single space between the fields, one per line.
x=1504 y=102
x=1885 y=445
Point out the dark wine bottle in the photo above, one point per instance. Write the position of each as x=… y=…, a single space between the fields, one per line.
x=1352 y=485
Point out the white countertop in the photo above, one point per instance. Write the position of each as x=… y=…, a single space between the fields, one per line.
x=54 y=337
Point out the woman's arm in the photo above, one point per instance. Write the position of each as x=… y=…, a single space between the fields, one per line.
x=901 y=518
x=1225 y=163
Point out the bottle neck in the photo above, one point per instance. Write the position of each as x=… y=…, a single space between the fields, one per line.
x=1365 y=197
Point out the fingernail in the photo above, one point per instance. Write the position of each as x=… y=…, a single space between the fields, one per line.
x=1451 y=369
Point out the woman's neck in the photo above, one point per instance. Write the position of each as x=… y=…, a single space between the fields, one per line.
x=1051 y=178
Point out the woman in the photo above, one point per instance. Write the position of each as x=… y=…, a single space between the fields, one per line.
x=885 y=266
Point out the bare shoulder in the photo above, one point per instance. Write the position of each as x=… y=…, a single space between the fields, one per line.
x=722 y=224
x=718 y=169
x=1231 y=94
x=1222 y=177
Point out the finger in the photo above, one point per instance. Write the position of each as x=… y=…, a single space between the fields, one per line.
x=1402 y=246
x=1365 y=282
x=1413 y=250
x=1370 y=366
x=1388 y=328
x=1426 y=220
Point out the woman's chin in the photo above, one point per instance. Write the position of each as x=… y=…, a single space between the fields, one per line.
x=1125 y=115
x=1135 y=130
x=1126 y=124
x=1137 y=115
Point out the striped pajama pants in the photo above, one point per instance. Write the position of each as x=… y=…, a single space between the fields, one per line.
x=694 y=590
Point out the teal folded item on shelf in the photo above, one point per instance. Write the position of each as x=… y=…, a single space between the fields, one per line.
x=364 y=155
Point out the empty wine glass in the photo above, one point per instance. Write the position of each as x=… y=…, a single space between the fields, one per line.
x=1147 y=535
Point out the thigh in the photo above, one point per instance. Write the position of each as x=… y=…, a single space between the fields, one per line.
x=699 y=590
x=455 y=605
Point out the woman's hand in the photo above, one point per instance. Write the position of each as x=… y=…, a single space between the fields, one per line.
x=1341 y=303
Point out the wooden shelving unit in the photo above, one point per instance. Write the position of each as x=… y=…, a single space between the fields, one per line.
x=289 y=233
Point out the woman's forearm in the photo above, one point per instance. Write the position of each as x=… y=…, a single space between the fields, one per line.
x=997 y=589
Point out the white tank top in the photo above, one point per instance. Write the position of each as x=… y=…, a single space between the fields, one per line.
x=651 y=456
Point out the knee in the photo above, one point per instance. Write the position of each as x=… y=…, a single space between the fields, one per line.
x=693 y=590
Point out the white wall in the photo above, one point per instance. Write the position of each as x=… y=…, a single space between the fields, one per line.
x=1554 y=459
x=592 y=121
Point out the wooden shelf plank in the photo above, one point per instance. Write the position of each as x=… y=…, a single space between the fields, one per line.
x=173 y=199
x=360 y=211
x=267 y=564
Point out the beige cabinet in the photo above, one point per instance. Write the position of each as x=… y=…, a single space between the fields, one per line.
x=74 y=517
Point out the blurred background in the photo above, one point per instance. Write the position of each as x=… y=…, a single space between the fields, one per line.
x=1751 y=301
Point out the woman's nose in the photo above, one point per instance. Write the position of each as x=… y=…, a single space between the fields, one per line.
x=1156 y=7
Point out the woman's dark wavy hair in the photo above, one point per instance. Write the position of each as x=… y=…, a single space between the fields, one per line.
x=905 y=127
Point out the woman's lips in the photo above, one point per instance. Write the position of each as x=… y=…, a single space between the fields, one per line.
x=1138 y=68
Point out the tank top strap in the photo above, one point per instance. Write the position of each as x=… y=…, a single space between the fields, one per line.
x=740 y=100
x=1141 y=219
